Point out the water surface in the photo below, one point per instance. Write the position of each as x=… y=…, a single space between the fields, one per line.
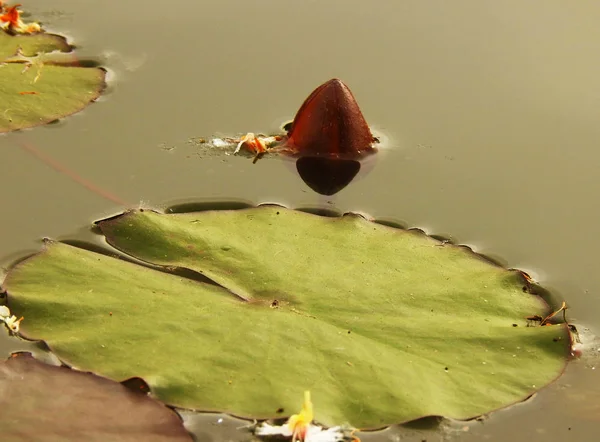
x=491 y=109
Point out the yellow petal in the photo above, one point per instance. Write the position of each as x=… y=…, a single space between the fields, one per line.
x=298 y=423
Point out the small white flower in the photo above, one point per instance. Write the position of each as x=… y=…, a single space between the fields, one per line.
x=299 y=427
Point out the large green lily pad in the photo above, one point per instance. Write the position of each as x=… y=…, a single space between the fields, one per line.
x=40 y=84
x=381 y=325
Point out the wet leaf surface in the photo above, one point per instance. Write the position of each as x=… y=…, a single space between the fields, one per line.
x=45 y=403
x=381 y=325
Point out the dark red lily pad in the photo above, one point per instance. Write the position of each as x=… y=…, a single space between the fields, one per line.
x=44 y=403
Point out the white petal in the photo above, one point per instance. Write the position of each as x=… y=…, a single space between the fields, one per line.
x=239 y=146
x=218 y=142
x=4 y=311
x=266 y=429
x=317 y=434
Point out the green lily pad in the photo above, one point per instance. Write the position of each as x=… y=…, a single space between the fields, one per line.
x=44 y=403
x=39 y=85
x=382 y=325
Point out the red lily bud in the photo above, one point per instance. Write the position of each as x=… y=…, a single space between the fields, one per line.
x=330 y=124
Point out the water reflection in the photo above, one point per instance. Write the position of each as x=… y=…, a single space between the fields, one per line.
x=327 y=176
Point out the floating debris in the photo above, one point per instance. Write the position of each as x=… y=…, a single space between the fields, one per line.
x=576 y=344
x=257 y=144
x=249 y=145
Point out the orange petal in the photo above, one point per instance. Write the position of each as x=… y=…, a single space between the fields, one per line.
x=259 y=146
x=12 y=15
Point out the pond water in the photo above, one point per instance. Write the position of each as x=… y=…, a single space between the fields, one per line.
x=490 y=108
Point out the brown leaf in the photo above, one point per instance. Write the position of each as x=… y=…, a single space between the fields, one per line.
x=46 y=403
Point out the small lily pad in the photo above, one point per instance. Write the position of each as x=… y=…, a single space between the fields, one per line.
x=44 y=403
x=382 y=325
x=38 y=85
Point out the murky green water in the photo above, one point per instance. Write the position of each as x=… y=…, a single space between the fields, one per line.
x=491 y=109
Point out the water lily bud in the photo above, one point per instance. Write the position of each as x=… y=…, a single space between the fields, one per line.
x=330 y=124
